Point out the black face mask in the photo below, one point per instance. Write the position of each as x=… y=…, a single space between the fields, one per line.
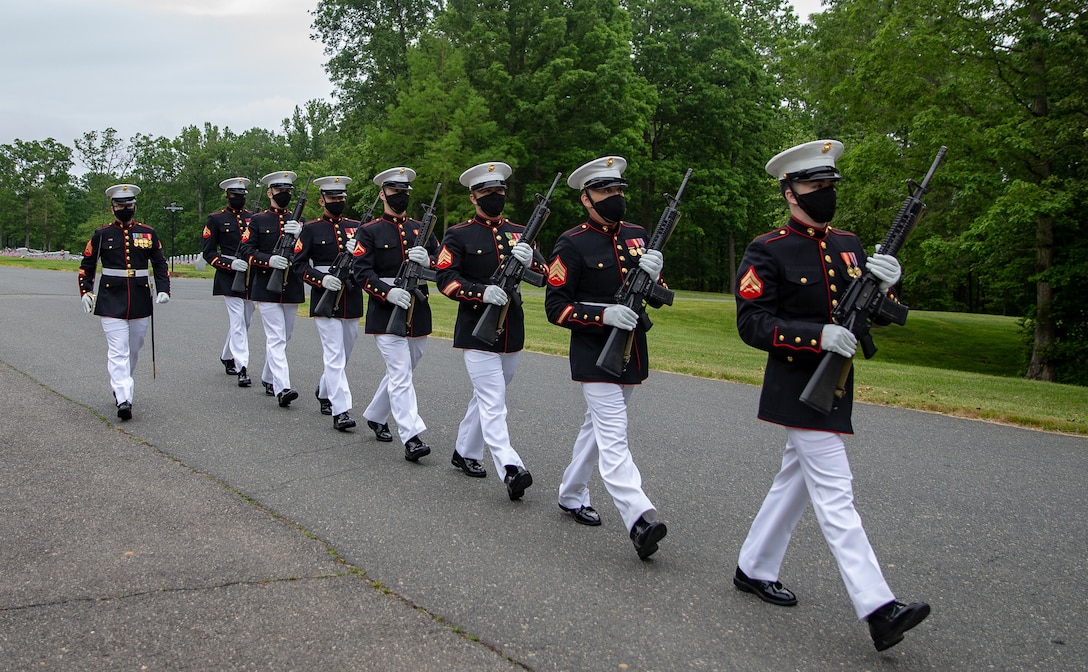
x=397 y=202
x=611 y=208
x=492 y=204
x=819 y=204
x=282 y=199
x=124 y=215
x=236 y=202
x=335 y=208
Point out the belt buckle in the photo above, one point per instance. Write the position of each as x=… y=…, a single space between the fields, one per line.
x=130 y=272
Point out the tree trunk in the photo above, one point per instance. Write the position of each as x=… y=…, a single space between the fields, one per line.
x=1041 y=366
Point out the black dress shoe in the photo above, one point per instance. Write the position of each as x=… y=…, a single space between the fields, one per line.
x=517 y=480
x=268 y=389
x=471 y=467
x=586 y=515
x=243 y=378
x=326 y=405
x=343 y=422
x=415 y=449
x=228 y=364
x=381 y=432
x=768 y=591
x=286 y=396
x=646 y=535
x=124 y=410
x=888 y=623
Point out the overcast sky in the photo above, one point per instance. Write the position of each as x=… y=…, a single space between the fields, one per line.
x=156 y=66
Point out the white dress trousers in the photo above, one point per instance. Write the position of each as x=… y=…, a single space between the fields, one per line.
x=815 y=468
x=396 y=394
x=124 y=338
x=337 y=341
x=602 y=442
x=485 y=419
x=279 y=322
x=239 y=317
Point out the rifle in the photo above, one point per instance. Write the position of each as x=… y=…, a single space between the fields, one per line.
x=638 y=287
x=342 y=267
x=285 y=246
x=410 y=273
x=239 y=284
x=864 y=302
x=511 y=272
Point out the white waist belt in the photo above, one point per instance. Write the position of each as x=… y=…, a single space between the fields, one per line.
x=125 y=272
x=323 y=269
x=390 y=281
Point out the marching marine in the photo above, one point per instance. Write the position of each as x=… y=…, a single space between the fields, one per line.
x=788 y=284
x=589 y=264
x=222 y=234
x=319 y=244
x=471 y=252
x=385 y=244
x=124 y=302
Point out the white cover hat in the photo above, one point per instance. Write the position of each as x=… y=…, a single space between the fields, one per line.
x=397 y=178
x=280 y=178
x=606 y=171
x=123 y=193
x=493 y=174
x=333 y=184
x=807 y=162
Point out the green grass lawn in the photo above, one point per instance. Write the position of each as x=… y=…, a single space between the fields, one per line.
x=954 y=363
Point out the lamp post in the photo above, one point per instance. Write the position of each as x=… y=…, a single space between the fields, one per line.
x=173 y=208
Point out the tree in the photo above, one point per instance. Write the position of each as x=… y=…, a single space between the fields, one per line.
x=36 y=173
x=367 y=43
x=714 y=108
x=1002 y=83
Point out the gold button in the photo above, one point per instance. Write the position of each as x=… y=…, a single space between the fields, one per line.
x=834 y=288
x=827 y=258
x=823 y=245
x=831 y=272
x=623 y=270
x=479 y=251
x=797 y=340
x=804 y=280
x=781 y=338
x=790 y=358
x=834 y=303
x=600 y=264
x=813 y=341
x=623 y=258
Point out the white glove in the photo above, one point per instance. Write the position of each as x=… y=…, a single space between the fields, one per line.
x=886 y=269
x=239 y=265
x=419 y=255
x=838 y=340
x=350 y=244
x=291 y=227
x=277 y=261
x=523 y=252
x=88 y=302
x=162 y=297
x=652 y=262
x=332 y=283
x=494 y=294
x=401 y=298
x=620 y=317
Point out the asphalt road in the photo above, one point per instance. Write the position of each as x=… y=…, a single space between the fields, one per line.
x=985 y=522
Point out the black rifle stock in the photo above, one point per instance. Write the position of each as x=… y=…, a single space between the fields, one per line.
x=638 y=287
x=511 y=272
x=239 y=283
x=864 y=302
x=342 y=267
x=411 y=273
x=285 y=246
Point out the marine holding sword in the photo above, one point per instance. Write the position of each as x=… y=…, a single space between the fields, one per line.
x=124 y=302
x=788 y=284
x=472 y=253
x=320 y=244
x=386 y=246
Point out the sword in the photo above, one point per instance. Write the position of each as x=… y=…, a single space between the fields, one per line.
x=153 y=372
